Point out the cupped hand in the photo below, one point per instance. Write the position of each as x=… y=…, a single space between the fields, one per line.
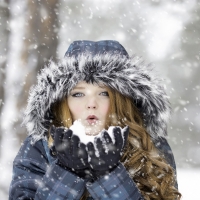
x=69 y=150
x=105 y=154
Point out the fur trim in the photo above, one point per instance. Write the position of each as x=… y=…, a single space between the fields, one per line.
x=129 y=76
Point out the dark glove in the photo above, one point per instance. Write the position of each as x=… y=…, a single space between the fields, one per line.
x=71 y=153
x=109 y=152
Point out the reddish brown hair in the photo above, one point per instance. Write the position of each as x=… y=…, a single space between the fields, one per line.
x=153 y=175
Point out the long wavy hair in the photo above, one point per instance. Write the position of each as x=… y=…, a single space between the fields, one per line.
x=154 y=177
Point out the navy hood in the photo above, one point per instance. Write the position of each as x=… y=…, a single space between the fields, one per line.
x=106 y=62
x=86 y=47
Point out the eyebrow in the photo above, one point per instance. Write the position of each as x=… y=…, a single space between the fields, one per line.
x=79 y=88
x=102 y=87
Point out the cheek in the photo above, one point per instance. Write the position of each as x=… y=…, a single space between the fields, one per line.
x=105 y=109
x=76 y=110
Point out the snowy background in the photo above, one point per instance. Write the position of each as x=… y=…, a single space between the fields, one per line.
x=166 y=33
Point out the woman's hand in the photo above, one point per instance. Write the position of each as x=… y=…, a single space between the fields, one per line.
x=107 y=154
x=71 y=153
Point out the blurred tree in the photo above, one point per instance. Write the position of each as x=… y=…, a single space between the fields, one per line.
x=4 y=34
x=29 y=42
x=40 y=44
x=184 y=70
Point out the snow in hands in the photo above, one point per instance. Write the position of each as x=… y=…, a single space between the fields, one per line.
x=79 y=130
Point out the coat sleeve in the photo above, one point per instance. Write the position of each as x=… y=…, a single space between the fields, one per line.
x=35 y=179
x=116 y=185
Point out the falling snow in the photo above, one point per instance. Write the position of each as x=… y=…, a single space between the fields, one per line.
x=165 y=33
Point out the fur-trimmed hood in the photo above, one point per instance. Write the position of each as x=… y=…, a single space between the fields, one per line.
x=129 y=76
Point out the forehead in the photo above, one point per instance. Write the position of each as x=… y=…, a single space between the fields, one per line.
x=83 y=84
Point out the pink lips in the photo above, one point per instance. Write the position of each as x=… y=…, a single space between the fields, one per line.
x=91 y=119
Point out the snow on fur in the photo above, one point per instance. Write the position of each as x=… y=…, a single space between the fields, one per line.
x=129 y=76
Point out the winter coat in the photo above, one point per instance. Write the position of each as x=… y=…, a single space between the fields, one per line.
x=35 y=173
x=36 y=176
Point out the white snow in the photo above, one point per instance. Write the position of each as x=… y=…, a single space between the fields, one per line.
x=161 y=34
x=79 y=130
x=188 y=183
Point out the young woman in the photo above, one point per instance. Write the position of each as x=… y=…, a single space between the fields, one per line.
x=98 y=84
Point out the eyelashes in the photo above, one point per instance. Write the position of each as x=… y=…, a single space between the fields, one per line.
x=104 y=93
x=80 y=94
x=77 y=94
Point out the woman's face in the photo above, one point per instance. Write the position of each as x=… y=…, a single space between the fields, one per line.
x=89 y=103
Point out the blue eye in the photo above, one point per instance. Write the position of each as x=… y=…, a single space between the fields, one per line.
x=78 y=94
x=104 y=93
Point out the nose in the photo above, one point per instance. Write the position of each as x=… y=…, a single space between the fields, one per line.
x=92 y=103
